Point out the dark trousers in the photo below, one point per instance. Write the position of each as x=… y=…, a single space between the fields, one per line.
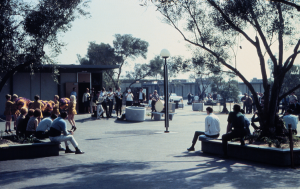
x=198 y=133
x=230 y=136
x=110 y=103
x=29 y=133
x=118 y=106
x=104 y=105
x=248 y=109
x=129 y=103
x=41 y=134
x=254 y=107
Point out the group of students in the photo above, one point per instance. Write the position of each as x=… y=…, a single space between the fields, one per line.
x=32 y=113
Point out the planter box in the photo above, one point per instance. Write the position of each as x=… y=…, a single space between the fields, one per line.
x=27 y=151
x=197 y=106
x=270 y=155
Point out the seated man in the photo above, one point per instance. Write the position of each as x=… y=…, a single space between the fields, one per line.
x=236 y=121
x=59 y=126
x=22 y=121
x=42 y=130
x=212 y=128
x=288 y=118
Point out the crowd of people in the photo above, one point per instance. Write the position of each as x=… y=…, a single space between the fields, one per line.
x=42 y=119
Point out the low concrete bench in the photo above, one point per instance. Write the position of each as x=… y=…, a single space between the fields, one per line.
x=31 y=150
x=157 y=115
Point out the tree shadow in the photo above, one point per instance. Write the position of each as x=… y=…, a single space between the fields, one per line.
x=214 y=173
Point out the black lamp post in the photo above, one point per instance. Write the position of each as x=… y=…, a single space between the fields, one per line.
x=165 y=54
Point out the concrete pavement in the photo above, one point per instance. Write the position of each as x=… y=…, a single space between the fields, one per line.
x=120 y=154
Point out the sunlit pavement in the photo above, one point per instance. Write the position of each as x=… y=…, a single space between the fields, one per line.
x=120 y=154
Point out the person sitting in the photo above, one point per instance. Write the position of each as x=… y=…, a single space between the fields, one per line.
x=236 y=121
x=33 y=123
x=288 y=118
x=212 y=128
x=247 y=122
x=58 y=127
x=42 y=130
x=22 y=121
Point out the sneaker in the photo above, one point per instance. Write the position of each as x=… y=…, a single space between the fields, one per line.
x=69 y=151
x=191 y=149
x=79 y=152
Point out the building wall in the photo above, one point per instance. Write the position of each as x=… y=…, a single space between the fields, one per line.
x=48 y=87
x=66 y=78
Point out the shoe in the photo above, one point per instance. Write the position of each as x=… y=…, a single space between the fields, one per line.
x=78 y=151
x=68 y=150
x=191 y=149
x=6 y=132
x=9 y=131
x=74 y=128
x=62 y=149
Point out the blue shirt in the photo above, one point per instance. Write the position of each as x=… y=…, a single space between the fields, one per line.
x=60 y=125
x=73 y=93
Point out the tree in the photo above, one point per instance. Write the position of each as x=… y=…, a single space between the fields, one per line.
x=124 y=47
x=26 y=29
x=212 y=25
x=227 y=89
x=140 y=71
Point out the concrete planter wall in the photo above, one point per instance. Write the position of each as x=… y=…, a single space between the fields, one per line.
x=27 y=151
x=270 y=155
x=197 y=106
x=136 y=114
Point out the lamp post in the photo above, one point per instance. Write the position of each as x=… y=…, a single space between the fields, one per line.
x=165 y=54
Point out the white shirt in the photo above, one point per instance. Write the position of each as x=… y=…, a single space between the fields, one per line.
x=212 y=125
x=141 y=96
x=110 y=95
x=290 y=119
x=129 y=97
x=44 y=124
x=85 y=97
x=103 y=94
x=196 y=98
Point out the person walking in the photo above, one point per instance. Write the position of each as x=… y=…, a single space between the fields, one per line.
x=72 y=112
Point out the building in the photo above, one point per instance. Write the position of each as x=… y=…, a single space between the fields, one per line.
x=42 y=83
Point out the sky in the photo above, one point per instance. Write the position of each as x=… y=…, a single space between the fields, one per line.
x=110 y=17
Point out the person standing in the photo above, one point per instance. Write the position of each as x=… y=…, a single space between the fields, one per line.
x=86 y=101
x=212 y=128
x=103 y=94
x=74 y=92
x=99 y=100
x=237 y=122
x=56 y=105
x=59 y=127
x=129 y=98
x=72 y=112
x=7 y=113
x=14 y=110
x=93 y=106
x=155 y=98
x=110 y=99
x=285 y=104
x=118 y=97
x=243 y=99
x=141 y=96
x=248 y=103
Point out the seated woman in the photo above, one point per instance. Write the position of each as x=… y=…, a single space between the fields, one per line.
x=33 y=123
x=22 y=121
x=37 y=104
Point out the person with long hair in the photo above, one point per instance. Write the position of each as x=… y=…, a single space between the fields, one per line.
x=56 y=105
x=7 y=113
x=33 y=123
x=38 y=105
x=72 y=112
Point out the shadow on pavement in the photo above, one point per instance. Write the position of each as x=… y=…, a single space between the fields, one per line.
x=136 y=175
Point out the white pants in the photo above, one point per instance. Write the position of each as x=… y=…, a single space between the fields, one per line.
x=63 y=138
x=99 y=110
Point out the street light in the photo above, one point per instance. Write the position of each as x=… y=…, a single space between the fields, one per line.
x=165 y=54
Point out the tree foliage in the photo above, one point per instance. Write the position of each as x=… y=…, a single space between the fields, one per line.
x=124 y=47
x=26 y=29
x=211 y=26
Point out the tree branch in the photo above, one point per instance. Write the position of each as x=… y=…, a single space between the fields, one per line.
x=288 y=3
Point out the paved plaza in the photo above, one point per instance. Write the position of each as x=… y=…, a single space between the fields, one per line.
x=120 y=154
